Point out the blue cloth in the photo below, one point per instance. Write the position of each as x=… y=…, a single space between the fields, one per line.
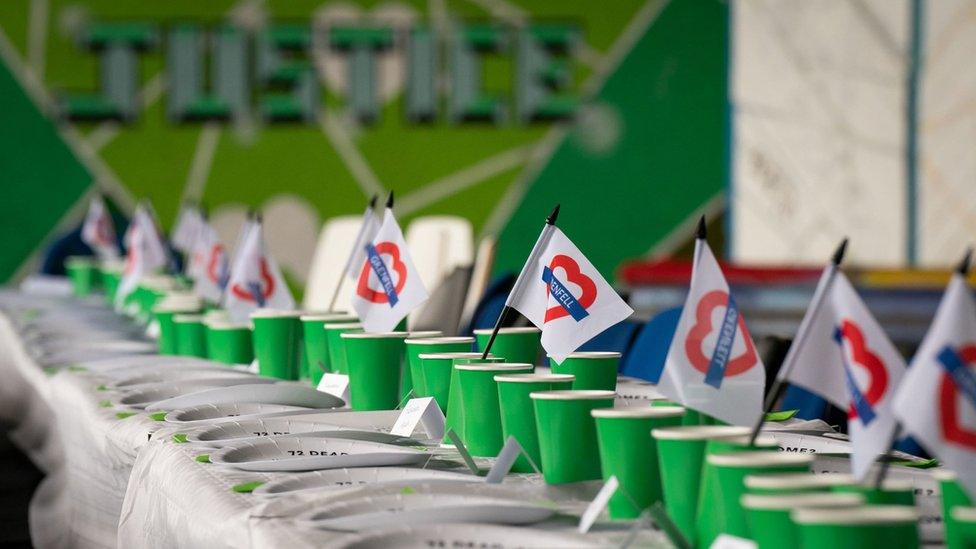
x=619 y=337
x=646 y=357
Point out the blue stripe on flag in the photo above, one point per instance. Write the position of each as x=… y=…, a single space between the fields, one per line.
x=860 y=403
x=961 y=375
x=723 y=347
x=255 y=289
x=382 y=273
x=563 y=296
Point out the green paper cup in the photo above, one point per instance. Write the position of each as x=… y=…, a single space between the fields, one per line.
x=455 y=407
x=479 y=399
x=518 y=413
x=567 y=433
x=163 y=314
x=316 y=342
x=892 y=492
x=83 y=272
x=191 y=335
x=768 y=516
x=795 y=483
x=520 y=345
x=887 y=526
x=628 y=452
x=111 y=275
x=276 y=343
x=437 y=375
x=337 y=346
x=229 y=342
x=963 y=519
x=406 y=381
x=719 y=504
x=681 y=454
x=593 y=370
x=739 y=443
x=375 y=362
x=421 y=346
x=952 y=496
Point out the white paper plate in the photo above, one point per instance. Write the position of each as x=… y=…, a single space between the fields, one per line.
x=208 y=380
x=229 y=433
x=278 y=393
x=465 y=535
x=307 y=453
x=360 y=476
x=423 y=508
x=146 y=395
x=159 y=375
x=209 y=413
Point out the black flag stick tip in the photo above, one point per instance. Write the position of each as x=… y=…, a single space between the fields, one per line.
x=701 y=232
x=839 y=252
x=372 y=201
x=551 y=220
x=389 y=200
x=963 y=267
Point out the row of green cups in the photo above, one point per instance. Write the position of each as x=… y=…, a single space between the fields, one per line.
x=84 y=274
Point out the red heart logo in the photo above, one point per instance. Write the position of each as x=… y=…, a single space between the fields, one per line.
x=215 y=263
x=267 y=289
x=952 y=429
x=862 y=356
x=369 y=294
x=574 y=275
x=703 y=326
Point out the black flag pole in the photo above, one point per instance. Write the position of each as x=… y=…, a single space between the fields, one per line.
x=342 y=275
x=801 y=336
x=533 y=256
x=963 y=270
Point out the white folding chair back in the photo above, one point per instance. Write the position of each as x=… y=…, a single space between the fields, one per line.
x=328 y=262
x=480 y=277
x=438 y=244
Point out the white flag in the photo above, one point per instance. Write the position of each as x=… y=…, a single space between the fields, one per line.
x=388 y=285
x=712 y=364
x=936 y=402
x=367 y=232
x=847 y=359
x=98 y=230
x=255 y=279
x=209 y=264
x=145 y=252
x=189 y=222
x=563 y=294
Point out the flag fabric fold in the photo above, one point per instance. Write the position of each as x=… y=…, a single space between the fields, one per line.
x=255 y=278
x=936 y=402
x=712 y=365
x=388 y=285
x=564 y=295
x=367 y=232
x=98 y=231
x=146 y=253
x=189 y=223
x=209 y=264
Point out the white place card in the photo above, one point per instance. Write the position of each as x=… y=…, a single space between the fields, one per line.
x=420 y=411
x=336 y=385
x=598 y=504
x=503 y=463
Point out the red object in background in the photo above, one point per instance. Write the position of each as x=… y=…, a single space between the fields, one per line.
x=678 y=272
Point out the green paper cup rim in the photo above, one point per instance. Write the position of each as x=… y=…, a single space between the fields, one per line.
x=699 y=432
x=495 y=366
x=534 y=378
x=572 y=395
x=522 y=330
x=176 y=309
x=220 y=324
x=424 y=334
x=945 y=474
x=963 y=514
x=188 y=319
x=758 y=459
x=890 y=485
x=342 y=325
x=773 y=502
x=79 y=259
x=593 y=354
x=869 y=514
x=447 y=356
x=446 y=340
x=784 y=481
x=375 y=335
x=323 y=317
x=275 y=313
x=638 y=412
x=761 y=440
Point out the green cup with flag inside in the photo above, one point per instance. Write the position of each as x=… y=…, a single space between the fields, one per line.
x=719 y=504
x=276 y=339
x=520 y=345
x=229 y=342
x=163 y=315
x=518 y=412
x=567 y=433
x=681 y=456
x=111 y=274
x=375 y=363
x=83 y=273
x=191 y=335
x=479 y=398
x=953 y=496
x=887 y=526
x=430 y=345
x=963 y=519
x=768 y=515
x=596 y=370
x=316 y=342
x=628 y=452
x=337 y=346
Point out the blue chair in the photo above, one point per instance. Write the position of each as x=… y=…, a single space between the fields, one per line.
x=619 y=337
x=646 y=357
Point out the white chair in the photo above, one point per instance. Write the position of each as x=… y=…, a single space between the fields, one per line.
x=329 y=260
x=438 y=244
